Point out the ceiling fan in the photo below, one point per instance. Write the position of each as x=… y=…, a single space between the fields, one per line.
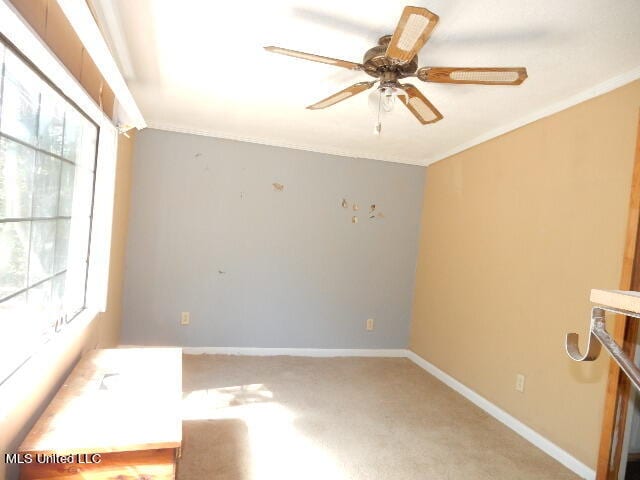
x=395 y=57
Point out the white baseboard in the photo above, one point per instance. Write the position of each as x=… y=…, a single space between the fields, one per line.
x=299 y=352
x=513 y=423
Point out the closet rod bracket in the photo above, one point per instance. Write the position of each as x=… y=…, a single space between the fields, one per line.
x=599 y=337
x=593 y=345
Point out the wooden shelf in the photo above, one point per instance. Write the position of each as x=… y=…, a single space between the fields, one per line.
x=617 y=299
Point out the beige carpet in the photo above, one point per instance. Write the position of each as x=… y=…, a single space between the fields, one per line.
x=249 y=418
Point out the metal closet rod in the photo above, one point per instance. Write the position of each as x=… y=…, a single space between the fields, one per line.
x=598 y=336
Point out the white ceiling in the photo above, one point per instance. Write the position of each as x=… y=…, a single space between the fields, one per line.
x=199 y=66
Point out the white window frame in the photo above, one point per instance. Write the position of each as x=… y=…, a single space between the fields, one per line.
x=29 y=43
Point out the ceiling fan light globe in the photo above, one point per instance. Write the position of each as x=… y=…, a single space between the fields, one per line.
x=376 y=102
x=384 y=99
x=388 y=99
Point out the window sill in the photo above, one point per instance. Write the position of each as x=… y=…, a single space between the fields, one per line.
x=38 y=377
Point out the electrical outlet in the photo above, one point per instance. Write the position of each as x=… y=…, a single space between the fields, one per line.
x=185 y=318
x=370 y=324
x=520 y=383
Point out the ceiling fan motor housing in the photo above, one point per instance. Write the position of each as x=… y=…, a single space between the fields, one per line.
x=376 y=62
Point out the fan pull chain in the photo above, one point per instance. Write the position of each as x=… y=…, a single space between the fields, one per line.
x=378 y=128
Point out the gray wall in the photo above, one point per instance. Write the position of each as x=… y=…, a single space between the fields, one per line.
x=258 y=267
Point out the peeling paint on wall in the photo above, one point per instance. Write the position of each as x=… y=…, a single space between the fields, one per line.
x=278 y=186
x=373 y=210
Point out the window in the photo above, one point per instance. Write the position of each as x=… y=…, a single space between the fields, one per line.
x=47 y=172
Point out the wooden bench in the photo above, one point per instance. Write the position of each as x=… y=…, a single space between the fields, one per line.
x=117 y=416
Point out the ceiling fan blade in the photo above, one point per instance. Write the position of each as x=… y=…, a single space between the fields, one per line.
x=418 y=104
x=480 y=75
x=315 y=58
x=413 y=31
x=342 y=95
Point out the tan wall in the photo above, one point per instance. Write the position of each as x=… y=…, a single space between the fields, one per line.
x=27 y=392
x=111 y=319
x=515 y=232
